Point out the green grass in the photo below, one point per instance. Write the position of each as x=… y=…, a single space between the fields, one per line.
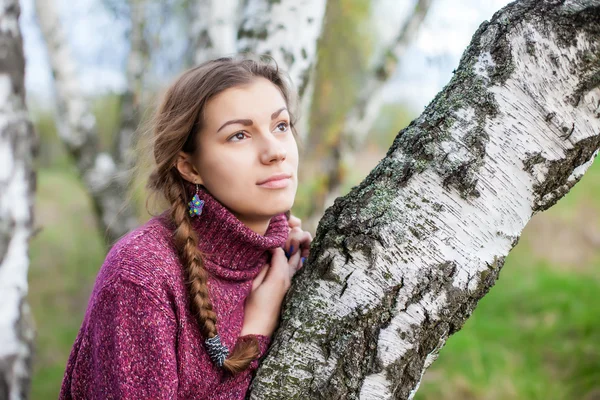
x=534 y=336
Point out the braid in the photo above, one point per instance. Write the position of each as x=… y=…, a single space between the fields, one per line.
x=186 y=241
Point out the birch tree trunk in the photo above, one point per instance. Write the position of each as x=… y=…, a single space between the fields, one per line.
x=18 y=146
x=102 y=176
x=399 y=263
x=213 y=28
x=131 y=100
x=285 y=29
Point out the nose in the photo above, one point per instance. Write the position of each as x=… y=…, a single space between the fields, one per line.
x=273 y=149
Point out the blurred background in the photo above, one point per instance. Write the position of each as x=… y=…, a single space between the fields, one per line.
x=536 y=335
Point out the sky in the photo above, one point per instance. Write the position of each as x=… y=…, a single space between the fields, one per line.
x=98 y=42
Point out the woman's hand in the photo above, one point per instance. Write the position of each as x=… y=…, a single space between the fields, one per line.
x=298 y=240
x=263 y=304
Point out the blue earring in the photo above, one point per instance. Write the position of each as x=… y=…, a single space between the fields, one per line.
x=195 y=204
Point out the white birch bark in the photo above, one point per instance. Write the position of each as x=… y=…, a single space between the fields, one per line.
x=213 y=28
x=18 y=145
x=399 y=263
x=285 y=29
x=77 y=130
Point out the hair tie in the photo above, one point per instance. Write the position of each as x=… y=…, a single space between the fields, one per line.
x=217 y=351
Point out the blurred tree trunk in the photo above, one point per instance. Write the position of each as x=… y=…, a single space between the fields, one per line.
x=399 y=263
x=285 y=29
x=18 y=147
x=213 y=28
x=288 y=30
x=138 y=61
x=104 y=175
x=349 y=94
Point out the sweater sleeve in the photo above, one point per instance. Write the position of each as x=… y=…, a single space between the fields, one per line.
x=263 y=346
x=133 y=336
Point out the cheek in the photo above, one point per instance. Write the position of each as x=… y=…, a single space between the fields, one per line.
x=230 y=175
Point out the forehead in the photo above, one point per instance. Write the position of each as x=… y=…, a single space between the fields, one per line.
x=255 y=100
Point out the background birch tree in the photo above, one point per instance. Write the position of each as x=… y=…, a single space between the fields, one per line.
x=18 y=146
x=105 y=174
x=399 y=263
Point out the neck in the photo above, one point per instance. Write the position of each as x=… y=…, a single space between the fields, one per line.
x=258 y=225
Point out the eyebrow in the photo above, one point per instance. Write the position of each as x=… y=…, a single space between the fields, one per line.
x=248 y=122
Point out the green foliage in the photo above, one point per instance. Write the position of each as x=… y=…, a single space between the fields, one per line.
x=51 y=150
x=304 y=195
x=393 y=117
x=107 y=109
x=534 y=336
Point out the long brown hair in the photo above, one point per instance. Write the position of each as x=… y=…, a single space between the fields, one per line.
x=175 y=127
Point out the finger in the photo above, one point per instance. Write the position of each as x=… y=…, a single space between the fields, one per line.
x=277 y=265
x=304 y=244
x=260 y=277
x=294 y=246
x=294 y=222
x=300 y=263
x=293 y=239
x=277 y=253
x=293 y=263
x=305 y=239
x=277 y=256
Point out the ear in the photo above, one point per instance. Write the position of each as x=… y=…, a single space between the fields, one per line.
x=187 y=169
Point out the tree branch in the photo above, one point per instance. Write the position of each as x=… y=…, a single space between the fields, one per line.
x=360 y=119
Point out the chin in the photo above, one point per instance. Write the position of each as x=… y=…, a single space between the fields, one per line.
x=278 y=206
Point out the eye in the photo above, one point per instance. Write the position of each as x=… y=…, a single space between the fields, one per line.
x=236 y=135
x=283 y=126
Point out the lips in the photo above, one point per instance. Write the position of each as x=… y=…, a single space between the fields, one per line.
x=275 y=177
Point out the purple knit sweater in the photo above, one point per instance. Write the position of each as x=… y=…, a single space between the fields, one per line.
x=139 y=339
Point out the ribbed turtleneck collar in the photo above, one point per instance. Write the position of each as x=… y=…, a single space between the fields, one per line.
x=232 y=250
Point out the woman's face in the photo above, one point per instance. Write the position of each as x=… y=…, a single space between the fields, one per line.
x=246 y=138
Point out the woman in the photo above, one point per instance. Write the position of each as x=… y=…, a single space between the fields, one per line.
x=184 y=306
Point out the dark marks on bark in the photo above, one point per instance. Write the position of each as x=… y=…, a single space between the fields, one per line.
x=556 y=183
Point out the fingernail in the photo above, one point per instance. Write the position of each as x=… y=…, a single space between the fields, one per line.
x=303 y=259
x=292 y=250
